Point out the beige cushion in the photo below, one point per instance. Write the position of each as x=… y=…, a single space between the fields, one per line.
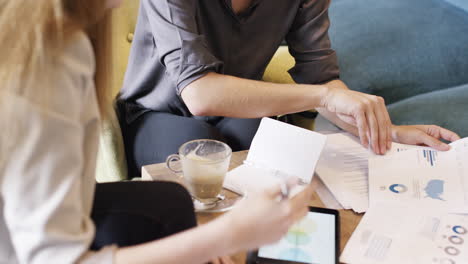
x=111 y=163
x=277 y=69
x=123 y=25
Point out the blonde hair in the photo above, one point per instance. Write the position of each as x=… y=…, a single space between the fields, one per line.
x=33 y=34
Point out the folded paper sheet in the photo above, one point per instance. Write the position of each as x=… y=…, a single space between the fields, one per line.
x=343 y=168
x=278 y=150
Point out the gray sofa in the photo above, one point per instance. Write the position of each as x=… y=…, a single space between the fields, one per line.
x=414 y=53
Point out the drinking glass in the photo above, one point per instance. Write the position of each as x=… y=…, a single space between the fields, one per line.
x=204 y=163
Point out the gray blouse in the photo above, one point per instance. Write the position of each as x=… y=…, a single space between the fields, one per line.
x=179 y=41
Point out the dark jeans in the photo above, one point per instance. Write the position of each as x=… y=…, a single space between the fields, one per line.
x=154 y=135
x=130 y=213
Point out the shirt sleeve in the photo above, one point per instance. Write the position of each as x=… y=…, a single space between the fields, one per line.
x=46 y=182
x=180 y=47
x=309 y=44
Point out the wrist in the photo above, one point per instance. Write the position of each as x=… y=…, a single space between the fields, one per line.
x=231 y=234
x=322 y=92
x=326 y=88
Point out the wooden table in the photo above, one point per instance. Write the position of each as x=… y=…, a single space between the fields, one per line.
x=348 y=219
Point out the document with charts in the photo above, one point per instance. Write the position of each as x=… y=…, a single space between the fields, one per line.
x=343 y=168
x=422 y=177
x=390 y=234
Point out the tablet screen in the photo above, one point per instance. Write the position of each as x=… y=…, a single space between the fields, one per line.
x=312 y=240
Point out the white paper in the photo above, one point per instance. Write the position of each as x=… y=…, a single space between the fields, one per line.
x=247 y=178
x=286 y=148
x=423 y=178
x=391 y=234
x=278 y=150
x=343 y=168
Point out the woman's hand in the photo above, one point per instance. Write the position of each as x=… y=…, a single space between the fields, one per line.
x=222 y=260
x=427 y=135
x=367 y=113
x=263 y=219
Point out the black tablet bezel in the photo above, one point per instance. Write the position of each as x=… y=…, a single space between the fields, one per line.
x=260 y=260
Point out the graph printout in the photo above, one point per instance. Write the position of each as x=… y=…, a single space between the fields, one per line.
x=422 y=177
x=343 y=168
x=405 y=235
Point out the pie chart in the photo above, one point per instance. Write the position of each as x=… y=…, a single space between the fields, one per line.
x=452 y=251
x=456 y=240
x=398 y=188
x=459 y=230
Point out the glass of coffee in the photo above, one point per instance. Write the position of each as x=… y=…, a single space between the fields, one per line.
x=204 y=165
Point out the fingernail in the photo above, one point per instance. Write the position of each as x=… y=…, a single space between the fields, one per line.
x=365 y=144
x=389 y=145
x=445 y=146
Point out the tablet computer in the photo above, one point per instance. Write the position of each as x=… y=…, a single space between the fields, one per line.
x=313 y=240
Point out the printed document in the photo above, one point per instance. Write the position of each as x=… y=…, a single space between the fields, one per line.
x=390 y=234
x=343 y=168
x=423 y=178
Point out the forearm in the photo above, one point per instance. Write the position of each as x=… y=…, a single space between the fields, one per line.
x=222 y=95
x=197 y=245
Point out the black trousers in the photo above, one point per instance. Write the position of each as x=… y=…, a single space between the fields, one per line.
x=131 y=213
x=155 y=135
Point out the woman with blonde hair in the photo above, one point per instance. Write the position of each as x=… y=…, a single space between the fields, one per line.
x=51 y=210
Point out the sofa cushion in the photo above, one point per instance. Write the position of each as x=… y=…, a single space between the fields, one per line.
x=111 y=161
x=400 y=48
x=447 y=108
x=462 y=4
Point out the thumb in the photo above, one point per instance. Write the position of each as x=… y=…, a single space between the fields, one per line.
x=434 y=143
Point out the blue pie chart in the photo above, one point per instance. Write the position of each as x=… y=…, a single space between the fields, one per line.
x=398 y=188
x=459 y=230
x=456 y=240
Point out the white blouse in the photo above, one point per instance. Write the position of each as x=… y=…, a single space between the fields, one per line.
x=47 y=178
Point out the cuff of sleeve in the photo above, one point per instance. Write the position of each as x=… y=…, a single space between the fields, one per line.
x=192 y=73
x=196 y=62
x=105 y=255
x=316 y=71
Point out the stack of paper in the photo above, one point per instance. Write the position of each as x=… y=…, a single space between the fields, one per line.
x=278 y=150
x=343 y=168
x=391 y=234
x=400 y=234
x=413 y=196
